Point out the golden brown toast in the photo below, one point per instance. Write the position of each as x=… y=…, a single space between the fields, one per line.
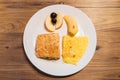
x=47 y=46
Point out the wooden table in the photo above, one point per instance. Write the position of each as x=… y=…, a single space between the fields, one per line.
x=105 y=14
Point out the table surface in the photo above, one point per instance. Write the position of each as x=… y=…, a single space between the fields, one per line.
x=14 y=15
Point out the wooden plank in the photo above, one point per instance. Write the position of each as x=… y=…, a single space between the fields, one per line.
x=103 y=64
x=93 y=73
x=16 y=20
x=42 y=3
x=14 y=14
x=104 y=18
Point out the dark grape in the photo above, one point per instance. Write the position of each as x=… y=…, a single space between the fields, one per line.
x=53 y=15
x=54 y=20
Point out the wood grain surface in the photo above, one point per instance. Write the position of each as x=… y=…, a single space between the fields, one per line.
x=14 y=15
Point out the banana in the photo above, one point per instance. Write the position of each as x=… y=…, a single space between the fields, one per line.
x=71 y=24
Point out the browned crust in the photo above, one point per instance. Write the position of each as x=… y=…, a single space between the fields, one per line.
x=47 y=46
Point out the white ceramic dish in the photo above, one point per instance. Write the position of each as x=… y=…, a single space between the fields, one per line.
x=35 y=26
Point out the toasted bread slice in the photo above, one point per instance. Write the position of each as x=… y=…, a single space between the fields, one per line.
x=47 y=46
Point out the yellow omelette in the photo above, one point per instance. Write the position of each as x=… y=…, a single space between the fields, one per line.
x=73 y=48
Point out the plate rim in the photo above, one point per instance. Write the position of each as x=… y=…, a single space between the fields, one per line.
x=25 y=49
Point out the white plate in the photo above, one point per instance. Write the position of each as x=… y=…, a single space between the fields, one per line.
x=35 y=26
